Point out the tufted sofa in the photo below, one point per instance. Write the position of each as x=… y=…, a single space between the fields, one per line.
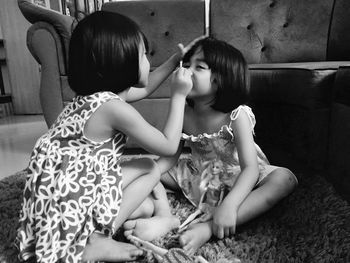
x=298 y=53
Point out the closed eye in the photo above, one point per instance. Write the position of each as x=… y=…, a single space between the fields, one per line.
x=202 y=67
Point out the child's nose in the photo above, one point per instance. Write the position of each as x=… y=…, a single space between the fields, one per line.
x=191 y=71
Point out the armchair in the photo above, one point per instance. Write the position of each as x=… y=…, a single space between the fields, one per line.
x=48 y=42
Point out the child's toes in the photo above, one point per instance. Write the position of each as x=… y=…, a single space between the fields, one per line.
x=128 y=233
x=189 y=249
x=130 y=224
x=135 y=253
x=184 y=240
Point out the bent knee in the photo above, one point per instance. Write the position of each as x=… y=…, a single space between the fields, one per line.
x=285 y=179
x=145 y=210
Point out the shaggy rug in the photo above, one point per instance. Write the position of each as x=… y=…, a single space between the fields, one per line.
x=311 y=225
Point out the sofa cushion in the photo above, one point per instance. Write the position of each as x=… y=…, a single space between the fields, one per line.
x=339 y=37
x=165 y=23
x=273 y=31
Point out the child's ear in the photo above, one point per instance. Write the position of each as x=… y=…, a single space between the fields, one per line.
x=214 y=82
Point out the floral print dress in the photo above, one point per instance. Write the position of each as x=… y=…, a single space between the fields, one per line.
x=73 y=186
x=207 y=174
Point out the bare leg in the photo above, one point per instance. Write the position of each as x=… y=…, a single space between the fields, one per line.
x=277 y=185
x=145 y=210
x=161 y=223
x=139 y=178
x=169 y=182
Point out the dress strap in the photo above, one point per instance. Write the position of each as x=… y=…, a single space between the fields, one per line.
x=235 y=113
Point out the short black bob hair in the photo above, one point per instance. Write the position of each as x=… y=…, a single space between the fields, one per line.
x=104 y=53
x=230 y=70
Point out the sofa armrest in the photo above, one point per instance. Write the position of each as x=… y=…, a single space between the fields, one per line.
x=48 y=41
x=45 y=45
x=341 y=90
x=62 y=23
x=292 y=104
x=339 y=143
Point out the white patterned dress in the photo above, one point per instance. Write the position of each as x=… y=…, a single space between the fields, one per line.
x=73 y=186
x=207 y=174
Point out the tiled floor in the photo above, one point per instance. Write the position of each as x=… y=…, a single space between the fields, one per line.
x=18 y=135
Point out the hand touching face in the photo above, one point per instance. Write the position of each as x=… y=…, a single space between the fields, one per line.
x=181 y=82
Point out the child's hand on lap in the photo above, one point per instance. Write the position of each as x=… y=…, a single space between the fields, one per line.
x=224 y=220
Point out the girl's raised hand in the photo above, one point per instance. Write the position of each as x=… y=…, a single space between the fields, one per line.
x=183 y=49
x=181 y=82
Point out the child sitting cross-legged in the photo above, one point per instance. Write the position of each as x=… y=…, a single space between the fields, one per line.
x=218 y=127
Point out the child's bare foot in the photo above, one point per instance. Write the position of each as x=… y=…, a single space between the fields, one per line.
x=102 y=248
x=151 y=228
x=196 y=236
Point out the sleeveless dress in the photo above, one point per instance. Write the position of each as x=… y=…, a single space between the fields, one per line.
x=207 y=174
x=73 y=186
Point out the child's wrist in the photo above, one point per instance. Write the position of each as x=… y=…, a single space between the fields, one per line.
x=178 y=96
x=230 y=204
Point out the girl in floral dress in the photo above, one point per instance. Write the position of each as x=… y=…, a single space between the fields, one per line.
x=219 y=126
x=78 y=193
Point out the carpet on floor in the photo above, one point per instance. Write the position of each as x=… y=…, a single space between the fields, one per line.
x=311 y=225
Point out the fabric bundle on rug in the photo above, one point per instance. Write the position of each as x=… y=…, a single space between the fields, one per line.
x=311 y=225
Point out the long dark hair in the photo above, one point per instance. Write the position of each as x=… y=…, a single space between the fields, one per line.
x=230 y=69
x=104 y=53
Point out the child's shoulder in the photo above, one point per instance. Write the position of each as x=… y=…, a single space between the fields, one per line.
x=242 y=108
x=116 y=106
x=111 y=106
x=243 y=116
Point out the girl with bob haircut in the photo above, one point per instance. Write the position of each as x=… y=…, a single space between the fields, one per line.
x=219 y=126
x=231 y=71
x=78 y=190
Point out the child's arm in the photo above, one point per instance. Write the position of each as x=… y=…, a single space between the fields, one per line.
x=224 y=220
x=156 y=78
x=123 y=117
x=165 y=163
x=161 y=73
